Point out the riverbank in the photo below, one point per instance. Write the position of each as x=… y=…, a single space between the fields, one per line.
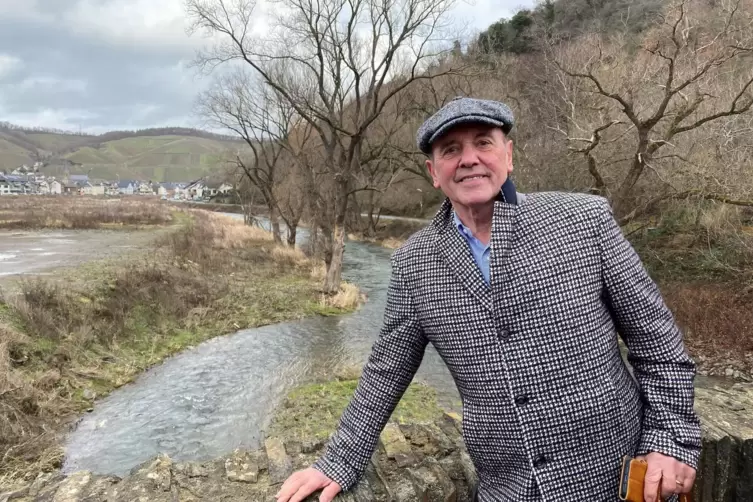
x=390 y=233
x=72 y=337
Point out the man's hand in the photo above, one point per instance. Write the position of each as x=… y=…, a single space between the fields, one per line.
x=674 y=477
x=303 y=483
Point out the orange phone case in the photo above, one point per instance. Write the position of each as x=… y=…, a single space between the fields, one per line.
x=632 y=477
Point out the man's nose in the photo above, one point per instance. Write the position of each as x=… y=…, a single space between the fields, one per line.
x=468 y=157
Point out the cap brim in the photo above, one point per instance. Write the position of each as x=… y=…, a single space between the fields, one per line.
x=465 y=120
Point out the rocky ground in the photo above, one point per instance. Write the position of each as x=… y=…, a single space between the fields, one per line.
x=414 y=462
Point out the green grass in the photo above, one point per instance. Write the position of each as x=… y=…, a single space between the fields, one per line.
x=312 y=411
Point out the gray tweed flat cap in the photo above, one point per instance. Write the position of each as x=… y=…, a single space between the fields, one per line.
x=463 y=110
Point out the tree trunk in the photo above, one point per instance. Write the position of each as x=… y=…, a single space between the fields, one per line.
x=334 y=269
x=292 y=230
x=274 y=221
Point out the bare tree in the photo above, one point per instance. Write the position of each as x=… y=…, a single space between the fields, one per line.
x=337 y=63
x=627 y=112
x=257 y=114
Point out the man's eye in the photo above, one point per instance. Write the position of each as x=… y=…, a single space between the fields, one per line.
x=450 y=150
x=484 y=142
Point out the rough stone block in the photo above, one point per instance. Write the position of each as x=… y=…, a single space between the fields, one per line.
x=451 y=465
x=73 y=487
x=160 y=472
x=241 y=467
x=469 y=470
x=396 y=447
x=193 y=469
x=279 y=465
x=432 y=484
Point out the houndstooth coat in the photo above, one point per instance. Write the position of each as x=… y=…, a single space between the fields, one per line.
x=549 y=407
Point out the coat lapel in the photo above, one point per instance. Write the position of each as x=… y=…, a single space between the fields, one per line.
x=504 y=226
x=457 y=254
x=458 y=258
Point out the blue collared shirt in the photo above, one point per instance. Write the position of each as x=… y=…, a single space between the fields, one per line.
x=479 y=250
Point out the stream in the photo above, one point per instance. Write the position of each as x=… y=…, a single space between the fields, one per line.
x=218 y=396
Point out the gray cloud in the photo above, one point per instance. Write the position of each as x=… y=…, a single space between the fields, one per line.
x=110 y=64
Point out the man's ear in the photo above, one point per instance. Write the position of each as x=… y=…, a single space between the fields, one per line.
x=432 y=172
x=509 y=156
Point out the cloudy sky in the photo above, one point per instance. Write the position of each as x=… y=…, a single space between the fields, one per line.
x=98 y=65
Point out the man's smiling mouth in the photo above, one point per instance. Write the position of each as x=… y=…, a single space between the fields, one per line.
x=474 y=177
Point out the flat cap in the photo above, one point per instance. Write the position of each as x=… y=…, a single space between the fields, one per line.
x=462 y=110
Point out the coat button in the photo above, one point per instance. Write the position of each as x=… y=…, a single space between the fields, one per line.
x=539 y=461
x=521 y=400
x=504 y=334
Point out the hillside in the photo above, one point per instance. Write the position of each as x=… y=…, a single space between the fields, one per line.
x=172 y=154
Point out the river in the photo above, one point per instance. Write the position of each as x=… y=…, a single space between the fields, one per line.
x=218 y=396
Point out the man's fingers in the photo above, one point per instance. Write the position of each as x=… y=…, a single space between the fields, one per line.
x=651 y=483
x=305 y=490
x=687 y=477
x=288 y=488
x=329 y=492
x=669 y=484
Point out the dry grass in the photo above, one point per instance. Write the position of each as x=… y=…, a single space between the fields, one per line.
x=229 y=234
x=81 y=212
x=99 y=326
x=717 y=321
x=348 y=297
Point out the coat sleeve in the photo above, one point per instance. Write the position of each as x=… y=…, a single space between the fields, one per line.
x=393 y=362
x=662 y=368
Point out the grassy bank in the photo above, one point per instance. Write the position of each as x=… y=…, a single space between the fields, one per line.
x=76 y=212
x=312 y=411
x=77 y=335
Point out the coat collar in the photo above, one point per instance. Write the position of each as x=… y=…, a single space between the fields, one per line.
x=456 y=251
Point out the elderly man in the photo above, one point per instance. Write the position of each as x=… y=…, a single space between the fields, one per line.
x=524 y=298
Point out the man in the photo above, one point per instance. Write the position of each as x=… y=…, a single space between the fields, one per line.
x=523 y=297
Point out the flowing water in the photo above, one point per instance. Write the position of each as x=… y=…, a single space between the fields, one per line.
x=218 y=396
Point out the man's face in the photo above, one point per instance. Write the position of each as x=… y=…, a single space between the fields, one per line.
x=470 y=164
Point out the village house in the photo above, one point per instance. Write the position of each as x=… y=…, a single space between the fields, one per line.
x=214 y=188
x=15 y=185
x=42 y=187
x=71 y=189
x=144 y=188
x=126 y=187
x=93 y=189
x=56 y=188
x=80 y=179
x=195 y=190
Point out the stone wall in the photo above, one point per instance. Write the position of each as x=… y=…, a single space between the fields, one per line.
x=414 y=462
